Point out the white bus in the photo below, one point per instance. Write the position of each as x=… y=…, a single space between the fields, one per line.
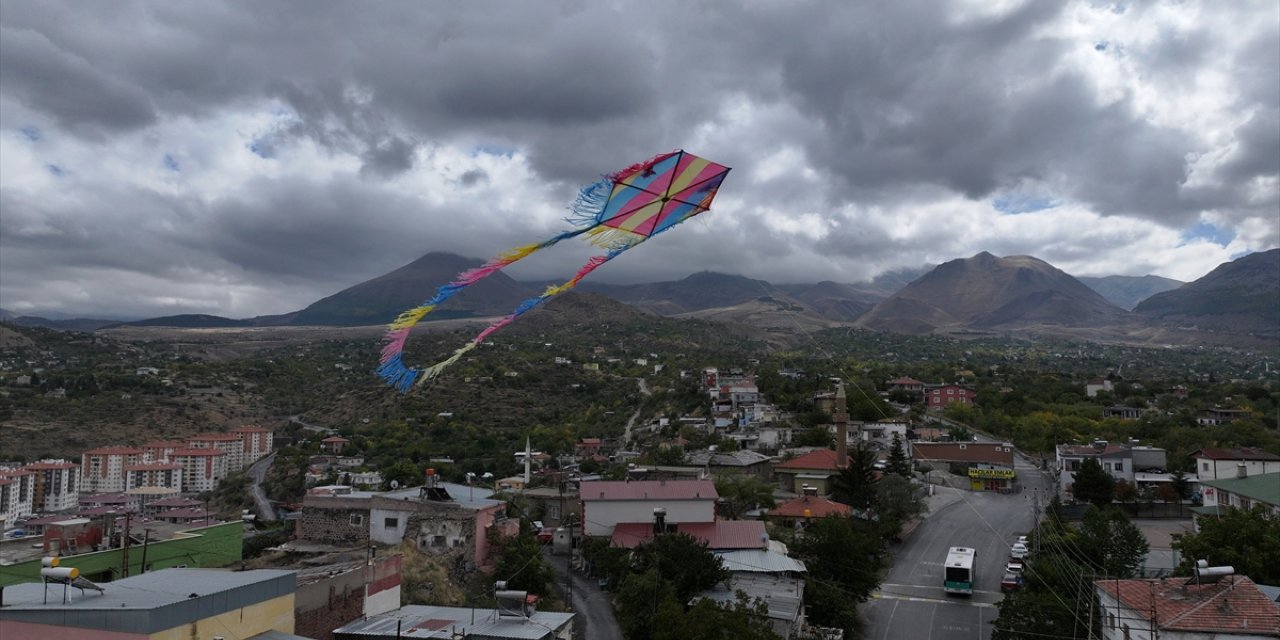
x=958 y=577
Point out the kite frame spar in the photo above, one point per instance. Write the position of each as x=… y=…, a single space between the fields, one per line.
x=617 y=212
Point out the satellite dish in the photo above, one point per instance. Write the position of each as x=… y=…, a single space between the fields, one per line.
x=395 y=484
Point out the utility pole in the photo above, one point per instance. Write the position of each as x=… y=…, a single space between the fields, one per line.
x=146 y=537
x=128 y=515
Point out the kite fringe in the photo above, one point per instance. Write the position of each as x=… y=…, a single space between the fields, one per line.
x=641 y=167
x=589 y=205
x=613 y=239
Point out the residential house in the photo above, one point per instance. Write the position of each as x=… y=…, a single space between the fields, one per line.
x=1122 y=412
x=169 y=603
x=1219 y=416
x=768 y=576
x=439 y=518
x=881 y=433
x=553 y=505
x=334 y=444
x=1095 y=385
x=605 y=504
x=817 y=469
x=154 y=507
x=1120 y=461
x=988 y=465
x=1230 y=608
x=910 y=385
x=807 y=507
x=518 y=622
x=1243 y=492
x=1215 y=463
x=944 y=395
x=334 y=595
x=56 y=485
x=102 y=469
x=725 y=462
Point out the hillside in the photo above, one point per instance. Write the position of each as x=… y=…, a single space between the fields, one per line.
x=989 y=293
x=190 y=321
x=1127 y=291
x=1241 y=296
x=379 y=300
x=834 y=301
x=700 y=291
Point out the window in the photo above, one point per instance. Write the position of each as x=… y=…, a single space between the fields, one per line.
x=1111 y=620
x=356 y=520
x=962 y=446
x=1205 y=466
x=1119 y=466
x=1126 y=631
x=390 y=523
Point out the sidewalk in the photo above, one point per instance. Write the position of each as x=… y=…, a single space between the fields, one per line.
x=942 y=497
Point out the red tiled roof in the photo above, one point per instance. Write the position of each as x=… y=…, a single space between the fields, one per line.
x=13 y=473
x=824 y=459
x=1232 y=605
x=817 y=506
x=104 y=451
x=992 y=452
x=648 y=490
x=720 y=535
x=335 y=439
x=174 y=502
x=1245 y=453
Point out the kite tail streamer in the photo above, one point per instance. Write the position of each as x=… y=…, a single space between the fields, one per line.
x=525 y=307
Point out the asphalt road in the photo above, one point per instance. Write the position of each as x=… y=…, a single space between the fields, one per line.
x=595 y=619
x=258 y=473
x=911 y=604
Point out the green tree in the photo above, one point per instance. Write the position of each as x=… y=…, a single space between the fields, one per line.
x=818 y=436
x=898 y=501
x=683 y=561
x=844 y=557
x=855 y=484
x=1113 y=546
x=898 y=462
x=1181 y=486
x=1248 y=540
x=404 y=472
x=1092 y=484
x=742 y=492
x=520 y=563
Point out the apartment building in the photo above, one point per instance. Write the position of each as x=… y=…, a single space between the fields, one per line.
x=228 y=443
x=154 y=474
x=102 y=469
x=17 y=494
x=202 y=468
x=56 y=485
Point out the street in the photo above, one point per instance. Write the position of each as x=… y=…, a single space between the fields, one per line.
x=911 y=604
x=595 y=619
x=258 y=473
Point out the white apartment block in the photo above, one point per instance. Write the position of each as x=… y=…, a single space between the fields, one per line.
x=17 y=494
x=154 y=474
x=102 y=469
x=257 y=442
x=202 y=468
x=160 y=450
x=228 y=443
x=56 y=485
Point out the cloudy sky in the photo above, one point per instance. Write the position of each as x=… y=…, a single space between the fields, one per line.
x=249 y=158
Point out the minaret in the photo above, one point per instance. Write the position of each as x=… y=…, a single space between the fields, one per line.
x=528 y=461
x=841 y=417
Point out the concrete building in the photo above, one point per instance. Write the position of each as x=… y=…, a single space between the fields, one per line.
x=464 y=623
x=228 y=443
x=1244 y=492
x=153 y=474
x=1120 y=461
x=171 y=603
x=604 y=504
x=56 y=485
x=941 y=396
x=816 y=468
x=988 y=465
x=257 y=442
x=1214 y=463
x=728 y=462
x=1230 y=608
x=771 y=577
x=17 y=496
x=102 y=469
x=202 y=468
x=331 y=596
x=161 y=450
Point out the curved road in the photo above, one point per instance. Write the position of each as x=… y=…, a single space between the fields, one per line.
x=258 y=473
x=626 y=433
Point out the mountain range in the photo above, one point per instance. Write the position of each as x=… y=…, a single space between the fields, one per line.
x=983 y=293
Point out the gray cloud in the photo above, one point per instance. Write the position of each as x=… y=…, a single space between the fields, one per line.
x=879 y=108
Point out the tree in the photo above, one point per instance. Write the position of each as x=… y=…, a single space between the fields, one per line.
x=742 y=492
x=1113 y=545
x=1092 y=484
x=520 y=563
x=898 y=500
x=1125 y=491
x=898 y=462
x=855 y=485
x=1180 y=485
x=818 y=436
x=843 y=555
x=1248 y=540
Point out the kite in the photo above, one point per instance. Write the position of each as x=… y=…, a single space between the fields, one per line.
x=616 y=213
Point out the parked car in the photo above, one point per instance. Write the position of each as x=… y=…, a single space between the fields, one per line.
x=1015 y=566
x=1010 y=582
x=1023 y=540
x=1019 y=551
x=546 y=535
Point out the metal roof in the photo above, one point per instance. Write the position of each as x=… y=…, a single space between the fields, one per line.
x=648 y=490
x=760 y=561
x=429 y=621
x=784 y=596
x=1264 y=487
x=149 y=602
